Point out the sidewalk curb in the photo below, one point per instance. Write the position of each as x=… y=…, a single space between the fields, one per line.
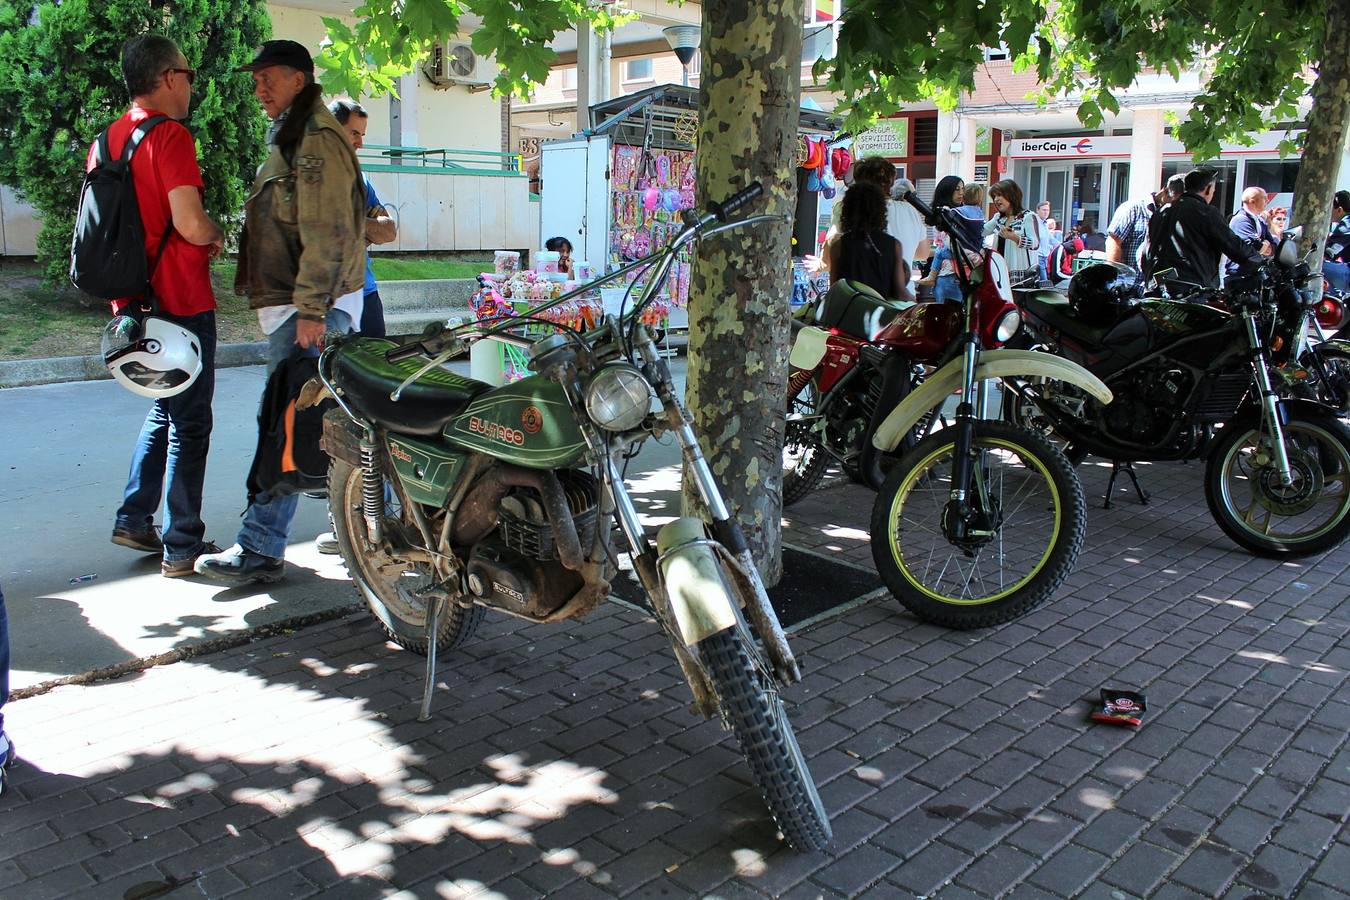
x=59 y=369
x=204 y=648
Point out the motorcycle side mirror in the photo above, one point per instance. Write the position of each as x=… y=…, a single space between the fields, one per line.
x=1288 y=251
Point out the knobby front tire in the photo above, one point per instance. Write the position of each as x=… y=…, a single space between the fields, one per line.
x=755 y=713
x=1038 y=527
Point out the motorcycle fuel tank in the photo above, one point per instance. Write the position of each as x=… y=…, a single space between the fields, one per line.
x=528 y=422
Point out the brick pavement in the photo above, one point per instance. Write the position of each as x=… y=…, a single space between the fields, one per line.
x=562 y=761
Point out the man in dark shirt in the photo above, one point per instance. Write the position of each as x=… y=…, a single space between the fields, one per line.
x=1187 y=238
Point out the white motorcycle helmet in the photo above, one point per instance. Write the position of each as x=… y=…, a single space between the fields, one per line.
x=154 y=358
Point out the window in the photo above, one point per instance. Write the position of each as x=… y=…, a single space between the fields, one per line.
x=1225 y=196
x=925 y=135
x=637 y=70
x=993 y=53
x=569 y=79
x=1275 y=175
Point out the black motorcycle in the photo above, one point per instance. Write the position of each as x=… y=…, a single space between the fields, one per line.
x=1217 y=380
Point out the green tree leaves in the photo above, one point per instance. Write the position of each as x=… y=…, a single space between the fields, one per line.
x=390 y=36
x=61 y=84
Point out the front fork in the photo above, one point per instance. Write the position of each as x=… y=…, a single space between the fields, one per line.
x=1271 y=409
x=964 y=519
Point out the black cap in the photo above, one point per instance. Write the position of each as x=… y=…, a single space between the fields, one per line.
x=281 y=53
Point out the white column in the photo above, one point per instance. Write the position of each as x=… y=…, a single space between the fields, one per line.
x=1145 y=153
x=604 y=89
x=955 y=145
x=947 y=129
x=403 y=112
x=965 y=133
x=586 y=53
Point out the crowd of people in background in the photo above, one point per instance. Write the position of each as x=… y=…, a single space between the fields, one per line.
x=1175 y=236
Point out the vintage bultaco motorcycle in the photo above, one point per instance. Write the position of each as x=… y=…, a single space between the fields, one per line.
x=504 y=498
x=1234 y=386
x=855 y=356
x=980 y=521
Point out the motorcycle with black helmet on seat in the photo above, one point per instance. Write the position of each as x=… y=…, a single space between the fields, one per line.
x=1217 y=379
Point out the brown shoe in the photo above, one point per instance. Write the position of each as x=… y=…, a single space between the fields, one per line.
x=180 y=567
x=145 y=541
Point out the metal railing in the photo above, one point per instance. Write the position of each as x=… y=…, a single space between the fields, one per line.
x=439 y=161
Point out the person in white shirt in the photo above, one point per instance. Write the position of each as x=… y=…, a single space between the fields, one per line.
x=904 y=223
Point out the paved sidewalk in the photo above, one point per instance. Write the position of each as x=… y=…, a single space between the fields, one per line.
x=562 y=761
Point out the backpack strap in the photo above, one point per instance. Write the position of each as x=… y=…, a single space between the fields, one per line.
x=137 y=135
x=148 y=303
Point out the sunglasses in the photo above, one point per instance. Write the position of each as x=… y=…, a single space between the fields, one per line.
x=191 y=74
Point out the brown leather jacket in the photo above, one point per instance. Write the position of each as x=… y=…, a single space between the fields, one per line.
x=304 y=221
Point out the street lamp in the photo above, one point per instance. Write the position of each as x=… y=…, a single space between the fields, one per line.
x=683 y=39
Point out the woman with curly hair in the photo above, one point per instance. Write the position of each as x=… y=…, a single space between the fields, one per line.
x=863 y=251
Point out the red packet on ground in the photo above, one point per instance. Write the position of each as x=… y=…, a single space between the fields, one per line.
x=1120 y=708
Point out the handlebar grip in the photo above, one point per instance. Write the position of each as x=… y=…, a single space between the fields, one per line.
x=924 y=209
x=404 y=351
x=736 y=201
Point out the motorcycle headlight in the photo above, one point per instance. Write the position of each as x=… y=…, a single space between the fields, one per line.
x=1007 y=326
x=618 y=398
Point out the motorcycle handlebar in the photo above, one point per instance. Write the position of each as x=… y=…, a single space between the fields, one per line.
x=728 y=206
x=939 y=218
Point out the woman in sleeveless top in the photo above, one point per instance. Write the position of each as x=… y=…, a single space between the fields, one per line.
x=863 y=251
x=1017 y=232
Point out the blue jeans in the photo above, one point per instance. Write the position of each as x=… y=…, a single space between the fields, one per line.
x=170 y=455
x=1337 y=275
x=372 y=316
x=267 y=522
x=4 y=660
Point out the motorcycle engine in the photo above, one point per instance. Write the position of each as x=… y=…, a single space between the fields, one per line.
x=516 y=568
x=1147 y=403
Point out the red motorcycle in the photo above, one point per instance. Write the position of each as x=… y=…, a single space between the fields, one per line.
x=856 y=355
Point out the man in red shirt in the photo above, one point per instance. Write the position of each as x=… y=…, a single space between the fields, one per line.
x=170 y=455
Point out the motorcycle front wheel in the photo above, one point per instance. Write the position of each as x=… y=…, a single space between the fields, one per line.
x=391 y=591
x=804 y=460
x=1015 y=558
x=752 y=708
x=1243 y=489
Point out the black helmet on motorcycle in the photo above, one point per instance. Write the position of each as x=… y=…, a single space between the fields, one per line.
x=1099 y=293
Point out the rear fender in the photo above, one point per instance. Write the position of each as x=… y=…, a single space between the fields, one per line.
x=993 y=364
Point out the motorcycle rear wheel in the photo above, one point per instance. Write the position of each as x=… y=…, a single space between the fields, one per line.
x=804 y=460
x=1040 y=515
x=753 y=709
x=390 y=596
x=1248 y=502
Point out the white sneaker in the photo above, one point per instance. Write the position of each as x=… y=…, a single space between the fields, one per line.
x=327 y=544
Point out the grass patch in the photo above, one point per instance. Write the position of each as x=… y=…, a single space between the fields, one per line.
x=38 y=321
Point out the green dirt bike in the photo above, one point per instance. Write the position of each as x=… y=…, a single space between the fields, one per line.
x=504 y=497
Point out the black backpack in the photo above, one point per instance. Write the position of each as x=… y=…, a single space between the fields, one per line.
x=107 y=254
x=289 y=458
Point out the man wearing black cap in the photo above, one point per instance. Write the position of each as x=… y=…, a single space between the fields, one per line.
x=302 y=260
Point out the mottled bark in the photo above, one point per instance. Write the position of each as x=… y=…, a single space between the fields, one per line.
x=738 y=308
x=1325 y=138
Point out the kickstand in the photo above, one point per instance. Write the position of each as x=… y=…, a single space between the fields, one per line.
x=433 y=632
x=1118 y=466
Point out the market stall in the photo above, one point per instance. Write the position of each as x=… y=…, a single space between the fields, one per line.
x=616 y=191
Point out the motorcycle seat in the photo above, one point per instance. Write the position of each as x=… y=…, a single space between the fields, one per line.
x=857 y=310
x=425 y=407
x=1053 y=309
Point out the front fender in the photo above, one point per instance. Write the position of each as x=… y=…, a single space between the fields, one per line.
x=993 y=364
x=700 y=599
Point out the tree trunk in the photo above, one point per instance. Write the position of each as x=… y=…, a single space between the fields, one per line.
x=1325 y=139
x=738 y=306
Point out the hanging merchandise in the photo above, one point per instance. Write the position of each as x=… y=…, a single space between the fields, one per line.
x=840 y=161
x=815 y=153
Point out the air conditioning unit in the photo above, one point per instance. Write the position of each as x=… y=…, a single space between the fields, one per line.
x=455 y=62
